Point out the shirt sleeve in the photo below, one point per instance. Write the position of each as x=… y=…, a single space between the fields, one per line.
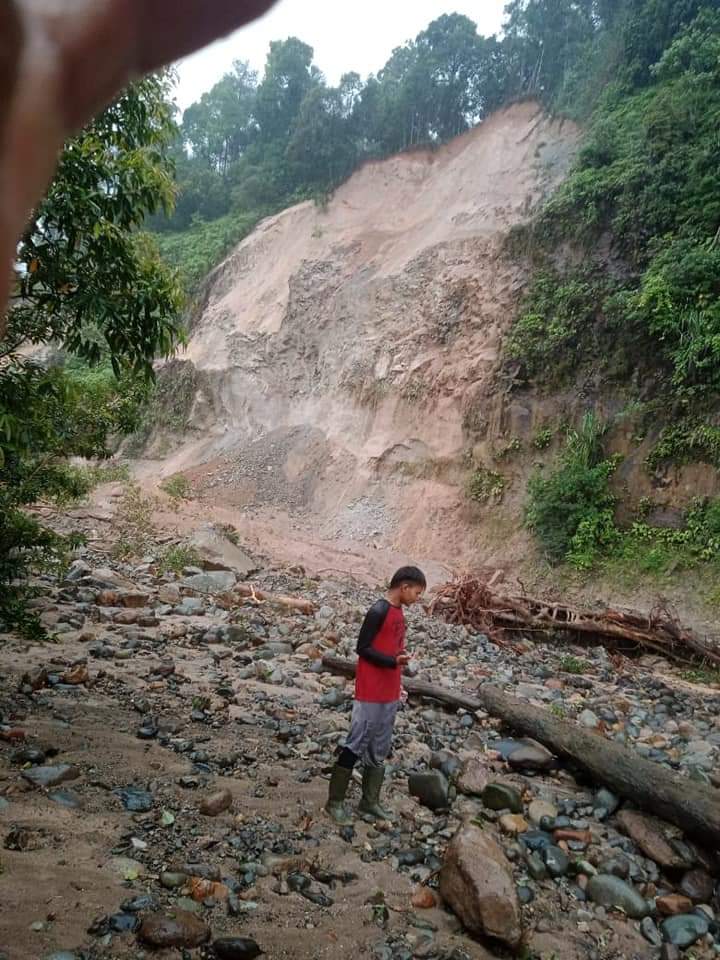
x=372 y=624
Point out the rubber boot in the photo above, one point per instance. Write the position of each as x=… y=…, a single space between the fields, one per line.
x=335 y=806
x=372 y=782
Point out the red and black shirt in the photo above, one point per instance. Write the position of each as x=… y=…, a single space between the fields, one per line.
x=381 y=641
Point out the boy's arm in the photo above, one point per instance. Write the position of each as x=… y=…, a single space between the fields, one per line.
x=372 y=624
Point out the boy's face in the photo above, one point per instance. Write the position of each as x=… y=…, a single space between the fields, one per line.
x=410 y=593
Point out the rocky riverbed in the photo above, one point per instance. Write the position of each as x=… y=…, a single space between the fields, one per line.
x=164 y=763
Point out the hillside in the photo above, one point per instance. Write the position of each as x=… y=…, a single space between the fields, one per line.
x=341 y=358
x=260 y=357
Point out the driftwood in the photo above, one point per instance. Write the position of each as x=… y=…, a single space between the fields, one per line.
x=693 y=807
x=253 y=595
x=473 y=602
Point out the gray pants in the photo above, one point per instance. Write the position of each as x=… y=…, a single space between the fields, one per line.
x=371 y=730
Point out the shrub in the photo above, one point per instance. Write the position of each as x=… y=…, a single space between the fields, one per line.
x=687 y=442
x=175 y=559
x=47 y=416
x=194 y=252
x=27 y=547
x=543 y=438
x=513 y=445
x=231 y=532
x=94 y=474
x=554 y=316
x=658 y=551
x=571 y=510
x=679 y=303
x=133 y=526
x=485 y=484
x=701 y=675
x=573 y=665
x=177 y=486
x=595 y=535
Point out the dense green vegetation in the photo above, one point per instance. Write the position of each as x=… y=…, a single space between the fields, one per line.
x=202 y=246
x=690 y=441
x=571 y=510
x=485 y=484
x=626 y=282
x=647 y=183
x=93 y=290
x=252 y=145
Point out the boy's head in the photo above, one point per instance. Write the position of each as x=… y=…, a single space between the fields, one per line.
x=407 y=585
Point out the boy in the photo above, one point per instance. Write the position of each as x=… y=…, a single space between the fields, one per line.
x=381 y=653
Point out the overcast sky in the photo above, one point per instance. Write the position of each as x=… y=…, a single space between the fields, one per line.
x=345 y=34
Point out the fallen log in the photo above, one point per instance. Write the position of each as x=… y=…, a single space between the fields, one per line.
x=247 y=592
x=693 y=807
x=472 y=601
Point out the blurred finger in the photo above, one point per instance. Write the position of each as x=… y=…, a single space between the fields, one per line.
x=61 y=61
x=171 y=30
x=10 y=41
x=124 y=38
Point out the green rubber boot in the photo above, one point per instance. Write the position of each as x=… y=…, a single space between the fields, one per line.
x=372 y=782
x=335 y=806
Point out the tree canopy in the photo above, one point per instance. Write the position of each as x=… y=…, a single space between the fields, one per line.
x=251 y=145
x=90 y=287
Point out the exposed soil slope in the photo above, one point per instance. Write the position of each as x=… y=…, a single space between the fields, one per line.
x=341 y=356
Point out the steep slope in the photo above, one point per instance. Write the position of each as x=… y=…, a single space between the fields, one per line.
x=342 y=357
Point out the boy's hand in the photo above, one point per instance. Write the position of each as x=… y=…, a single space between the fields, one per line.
x=402 y=660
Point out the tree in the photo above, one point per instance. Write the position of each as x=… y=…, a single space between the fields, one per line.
x=650 y=28
x=492 y=79
x=350 y=90
x=367 y=112
x=86 y=277
x=544 y=39
x=219 y=127
x=449 y=50
x=289 y=75
x=406 y=102
x=88 y=283
x=322 y=147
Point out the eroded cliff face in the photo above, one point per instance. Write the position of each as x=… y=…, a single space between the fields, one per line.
x=344 y=360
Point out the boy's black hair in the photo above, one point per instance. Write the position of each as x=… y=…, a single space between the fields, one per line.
x=408 y=575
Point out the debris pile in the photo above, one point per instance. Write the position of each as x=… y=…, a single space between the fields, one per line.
x=472 y=601
x=165 y=759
